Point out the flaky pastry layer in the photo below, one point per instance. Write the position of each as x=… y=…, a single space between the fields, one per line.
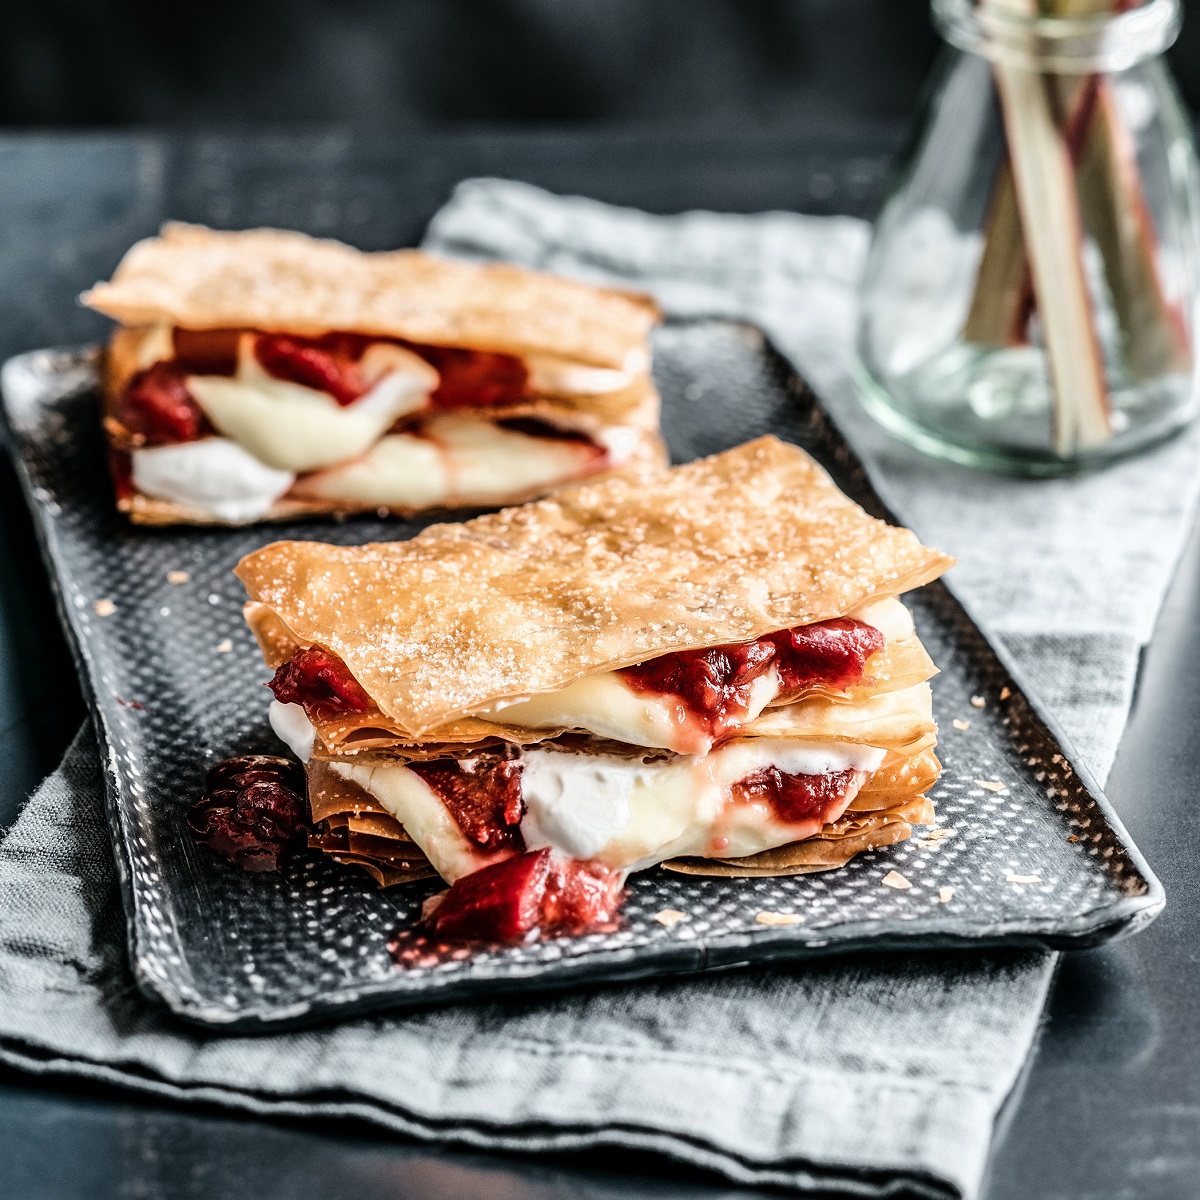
x=600 y=576
x=271 y=279
x=356 y=829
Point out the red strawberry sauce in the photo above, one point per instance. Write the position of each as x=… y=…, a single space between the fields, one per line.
x=319 y=681
x=157 y=408
x=531 y=894
x=485 y=802
x=713 y=686
x=796 y=798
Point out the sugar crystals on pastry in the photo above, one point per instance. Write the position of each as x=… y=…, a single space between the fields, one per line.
x=707 y=667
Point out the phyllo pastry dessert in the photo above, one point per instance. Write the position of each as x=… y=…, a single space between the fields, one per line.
x=264 y=374
x=706 y=667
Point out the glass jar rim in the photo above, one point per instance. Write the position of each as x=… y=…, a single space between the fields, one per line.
x=1083 y=44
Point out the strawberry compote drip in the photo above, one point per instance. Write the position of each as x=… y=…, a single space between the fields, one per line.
x=319 y=681
x=832 y=653
x=474 y=378
x=328 y=364
x=158 y=410
x=466 y=378
x=797 y=799
x=485 y=802
x=531 y=894
x=715 y=684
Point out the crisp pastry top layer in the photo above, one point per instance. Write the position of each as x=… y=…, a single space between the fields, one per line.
x=270 y=279
x=600 y=576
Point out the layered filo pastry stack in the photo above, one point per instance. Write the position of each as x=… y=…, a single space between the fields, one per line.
x=706 y=667
x=263 y=375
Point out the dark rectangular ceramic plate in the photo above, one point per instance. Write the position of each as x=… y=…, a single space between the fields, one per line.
x=176 y=685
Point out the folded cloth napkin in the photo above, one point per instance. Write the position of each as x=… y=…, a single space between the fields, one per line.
x=1070 y=573
x=867 y=1076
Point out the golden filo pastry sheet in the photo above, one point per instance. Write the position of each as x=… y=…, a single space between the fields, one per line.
x=892 y=720
x=898 y=779
x=899 y=721
x=897 y=666
x=599 y=576
x=385 y=874
x=272 y=279
x=330 y=795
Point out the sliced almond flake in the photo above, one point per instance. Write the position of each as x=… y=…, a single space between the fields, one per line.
x=1011 y=878
x=945 y=895
x=961 y=723
x=177 y=577
x=893 y=879
x=104 y=608
x=1005 y=693
x=991 y=785
x=977 y=702
x=777 y=918
x=670 y=917
x=224 y=647
x=936 y=835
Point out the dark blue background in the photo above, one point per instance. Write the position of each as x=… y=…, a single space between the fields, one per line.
x=389 y=63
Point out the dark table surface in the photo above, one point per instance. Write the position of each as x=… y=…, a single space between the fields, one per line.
x=1110 y=1104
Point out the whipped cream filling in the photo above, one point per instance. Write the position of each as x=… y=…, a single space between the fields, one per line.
x=623 y=812
x=458 y=459
x=292 y=727
x=296 y=428
x=343 y=452
x=213 y=475
x=607 y=706
x=889 y=615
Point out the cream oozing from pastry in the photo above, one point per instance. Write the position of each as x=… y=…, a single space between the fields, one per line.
x=213 y=475
x=625 y=813
x=454 y=458
x=604 y=704
x=344 y=452
x=291 y=725
x=296 y=428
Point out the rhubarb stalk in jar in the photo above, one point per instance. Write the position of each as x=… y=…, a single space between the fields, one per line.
x=1028 y=301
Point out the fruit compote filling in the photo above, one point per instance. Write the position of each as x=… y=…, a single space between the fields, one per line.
x=328 y=364
x=466 y=378
x=530 y=894
x=795 y=799
x=157 y=408
x=474 y=378
x=253 y=811
x=570 y=889
x=714 y=685
x=483 y=798
x=320 y=682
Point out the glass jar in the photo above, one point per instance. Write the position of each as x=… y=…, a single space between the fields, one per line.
x=1029 y=298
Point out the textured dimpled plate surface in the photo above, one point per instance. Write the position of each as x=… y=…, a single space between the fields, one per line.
x=176 y=680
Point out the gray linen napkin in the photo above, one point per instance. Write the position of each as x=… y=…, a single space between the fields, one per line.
x=863 y=1076
x=1070 y=573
